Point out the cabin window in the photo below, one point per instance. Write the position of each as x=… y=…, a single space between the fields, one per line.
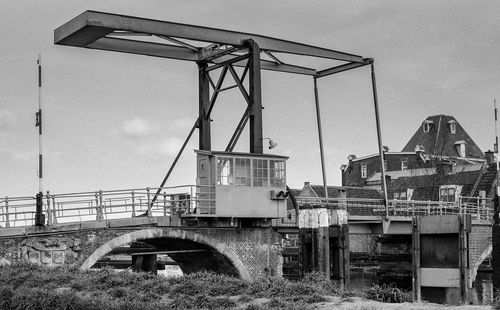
x=426 y=127
x=277 y=173
x=242 y=171
x=260 y=173
x=364 y=171
x=225 y=172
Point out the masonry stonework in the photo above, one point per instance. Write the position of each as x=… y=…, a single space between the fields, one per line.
x=479 y=239
x=255 y=251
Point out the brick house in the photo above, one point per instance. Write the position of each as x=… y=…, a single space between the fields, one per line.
x=440 y=162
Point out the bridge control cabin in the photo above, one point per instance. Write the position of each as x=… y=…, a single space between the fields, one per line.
x=240 y=185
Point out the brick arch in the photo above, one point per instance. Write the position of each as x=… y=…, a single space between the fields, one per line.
x=154 y=233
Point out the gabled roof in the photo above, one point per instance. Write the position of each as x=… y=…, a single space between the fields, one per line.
x=426 y=187
x=439 y=141
x=351 y=192
x=396 y=174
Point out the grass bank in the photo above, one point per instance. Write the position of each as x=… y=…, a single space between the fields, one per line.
x=30 y=287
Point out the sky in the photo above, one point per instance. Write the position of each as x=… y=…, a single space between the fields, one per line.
x=115 y=120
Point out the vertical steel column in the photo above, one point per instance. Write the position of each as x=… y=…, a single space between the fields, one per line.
x=320 y=135
x=379 y=136
x=256 y=143
x=417 y=291
x=204 y=106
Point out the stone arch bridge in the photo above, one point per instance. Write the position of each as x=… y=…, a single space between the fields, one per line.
x=242 y=252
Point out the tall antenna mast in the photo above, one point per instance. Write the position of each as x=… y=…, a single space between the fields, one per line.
x=39 y=216
x=39 y=125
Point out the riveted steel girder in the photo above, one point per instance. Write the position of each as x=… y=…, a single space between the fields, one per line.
x=91 y=29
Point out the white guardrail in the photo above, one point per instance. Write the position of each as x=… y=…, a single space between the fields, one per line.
x=105 y=205
x=479 y=208
x=192 y=199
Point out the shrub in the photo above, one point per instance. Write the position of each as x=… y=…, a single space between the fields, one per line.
x=208 y=283
x=388 y=293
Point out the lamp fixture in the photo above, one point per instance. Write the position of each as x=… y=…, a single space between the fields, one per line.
x=272 y=144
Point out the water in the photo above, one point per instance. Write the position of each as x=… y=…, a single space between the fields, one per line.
x=480 y=294
x=363 y=278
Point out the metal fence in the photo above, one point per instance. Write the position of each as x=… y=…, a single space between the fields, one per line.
x=479 y=208
x=192 y=199
x=105 y=205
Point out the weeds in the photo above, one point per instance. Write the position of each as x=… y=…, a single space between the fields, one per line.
x=388 y=293
x=33 y=288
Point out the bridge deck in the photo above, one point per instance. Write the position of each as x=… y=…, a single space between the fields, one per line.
x=183 y=202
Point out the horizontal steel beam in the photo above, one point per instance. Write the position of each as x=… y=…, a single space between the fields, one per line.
x=273 y=66
x=91 y=26
x=144 y=48
x=183 y=53
x=167 y=252
x=342 y=68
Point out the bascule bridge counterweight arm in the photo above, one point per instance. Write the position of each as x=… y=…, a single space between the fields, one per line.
x=211 y=49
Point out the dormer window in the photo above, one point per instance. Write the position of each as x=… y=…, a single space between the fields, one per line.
x=364 y=171
x=453 y=126
x=426 y=125
x=460 y=147
x=404 y=163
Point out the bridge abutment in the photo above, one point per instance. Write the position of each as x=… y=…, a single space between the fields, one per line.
x=243 y=252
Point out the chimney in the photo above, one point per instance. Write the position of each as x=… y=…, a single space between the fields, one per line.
x=490 y=157
x=387 y=179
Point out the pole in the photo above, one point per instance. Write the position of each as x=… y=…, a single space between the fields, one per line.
x=39 y=125
x=379 y=136
x=320 y=135
x=496 y=146
x=39 y=218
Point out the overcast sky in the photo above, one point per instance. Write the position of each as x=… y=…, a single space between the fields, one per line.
x=114 y=120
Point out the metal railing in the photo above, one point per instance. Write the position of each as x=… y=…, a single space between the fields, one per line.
x=105 y=205
x=200 y=200
x=477 y=207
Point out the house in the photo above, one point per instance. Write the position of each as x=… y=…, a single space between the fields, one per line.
x=440 y=162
